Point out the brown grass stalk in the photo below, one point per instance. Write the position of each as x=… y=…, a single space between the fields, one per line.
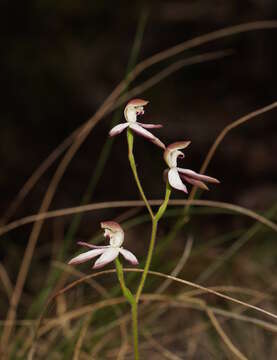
x=136 y=203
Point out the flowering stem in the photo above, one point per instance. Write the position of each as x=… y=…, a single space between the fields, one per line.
x=130 y=140
x=134 y=307
x=155 y=221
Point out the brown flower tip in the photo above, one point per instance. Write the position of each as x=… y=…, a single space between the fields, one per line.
x=137 y=102
x=178 y=145
x=111 y=225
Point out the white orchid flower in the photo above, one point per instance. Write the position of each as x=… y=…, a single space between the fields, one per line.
x=175 y=175
x=109 y=253
x=134 y=108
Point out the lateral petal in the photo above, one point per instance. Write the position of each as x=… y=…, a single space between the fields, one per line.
x=192 y=174
x=86 y=256
x=118 y=129
x=147 y=134
x=150 y=126
x=91 y=246
x=194 y=182
x=108 y=256
x=175 y=180
x=129 y=256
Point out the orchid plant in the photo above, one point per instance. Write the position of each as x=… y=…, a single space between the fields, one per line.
x=174 y=177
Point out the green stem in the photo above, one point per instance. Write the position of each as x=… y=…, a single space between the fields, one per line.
x=134 y=307
x=155 y=221
x=130 y=140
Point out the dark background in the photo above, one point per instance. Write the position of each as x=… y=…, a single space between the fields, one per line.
x=60 y=60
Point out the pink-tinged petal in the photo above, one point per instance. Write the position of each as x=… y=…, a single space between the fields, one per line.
x=147 y=134
x=192 y=174
x=118 y=129
x=194 y=182
x=137 y=102
x=91 y=246
x=179 y=145
x=86 y=256
x=175 y=180
x=150 y=126
x=129 y=256
x=108 y=256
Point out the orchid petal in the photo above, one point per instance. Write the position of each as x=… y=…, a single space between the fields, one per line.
x=108 y=256
x=192 y=174
x=129 y=256
x=91 y=246
x=147 y=134
x=86 y=256
x=175 y=180
x=194 y=182
x=150 y=126
x=118 y=129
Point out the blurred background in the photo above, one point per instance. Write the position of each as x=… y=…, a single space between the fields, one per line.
x=60 y=61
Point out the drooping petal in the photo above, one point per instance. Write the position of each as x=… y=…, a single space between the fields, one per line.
x=175 y=180
x=129 y=256
x=192 y=174
x=86 y=256
x=150 y=126
x=147 y=134
x=118 y=129
x=108 y=256
x=91 y=246
x=194 y=182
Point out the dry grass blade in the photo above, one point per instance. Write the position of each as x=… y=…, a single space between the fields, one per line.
x=4 y=276
x=185 y=282
x=31 y=182
x=165 y=353
x=178 y=268
x=169 y=70
x=225 y=131
x=136 y=203
x=80 y=340
x=203 y=39
x=224 y=337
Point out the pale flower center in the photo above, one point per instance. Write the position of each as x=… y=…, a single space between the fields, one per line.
x=173 y=156
x=131 y=113
x=116 y=238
